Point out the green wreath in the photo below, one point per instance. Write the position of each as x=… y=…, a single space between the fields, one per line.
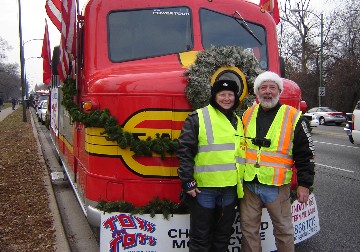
x=208 y=62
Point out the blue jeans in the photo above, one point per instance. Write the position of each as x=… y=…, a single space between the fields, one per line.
x=210 y=197
x=267 y=193
x=212 y=214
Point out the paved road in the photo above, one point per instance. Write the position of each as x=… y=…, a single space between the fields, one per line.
x=337 y=191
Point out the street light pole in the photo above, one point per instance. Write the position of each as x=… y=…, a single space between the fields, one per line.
x=23 y=88
x=321 y=91
x=321 y=55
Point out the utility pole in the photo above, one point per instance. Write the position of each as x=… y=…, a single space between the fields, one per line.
x=23 y=86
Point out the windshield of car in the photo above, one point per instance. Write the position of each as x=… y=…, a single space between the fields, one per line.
x=138 y=34
x=221 y=30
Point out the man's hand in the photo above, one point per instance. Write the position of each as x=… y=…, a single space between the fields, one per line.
x=193 y=192
x=302 y=194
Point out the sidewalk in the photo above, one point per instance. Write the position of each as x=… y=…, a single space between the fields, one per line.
x=5 y=112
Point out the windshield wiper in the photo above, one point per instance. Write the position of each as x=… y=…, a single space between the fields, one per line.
x=246 y=27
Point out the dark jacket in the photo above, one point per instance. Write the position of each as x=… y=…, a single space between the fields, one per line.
x=188 y=148
x=303 y=146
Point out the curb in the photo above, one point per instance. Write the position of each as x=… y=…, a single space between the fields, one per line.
x=62 y=244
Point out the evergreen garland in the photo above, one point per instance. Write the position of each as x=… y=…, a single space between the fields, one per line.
x=156 y=206
x=198 y=90
x=113 y=131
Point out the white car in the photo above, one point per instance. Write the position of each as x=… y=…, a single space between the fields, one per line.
x=352 y=128
x=314 y=122
x=42 y=111
x=327 y=115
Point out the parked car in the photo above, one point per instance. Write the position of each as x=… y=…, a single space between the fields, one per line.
x=327 y=115
x=352 y=127
x=42 y=111
x=313 y=121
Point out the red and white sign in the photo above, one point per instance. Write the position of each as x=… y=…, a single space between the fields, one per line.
x=141 y=233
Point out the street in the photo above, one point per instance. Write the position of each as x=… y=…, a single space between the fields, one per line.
x=337 y=191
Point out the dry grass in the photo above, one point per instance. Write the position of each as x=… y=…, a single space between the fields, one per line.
x=26 y=221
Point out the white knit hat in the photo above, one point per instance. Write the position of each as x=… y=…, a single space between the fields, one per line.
x=268 y=76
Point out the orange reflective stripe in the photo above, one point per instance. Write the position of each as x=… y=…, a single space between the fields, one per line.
x=287 y=130
x=284 y=125
x=247 y=116
x=250 y=155
x=279 y=176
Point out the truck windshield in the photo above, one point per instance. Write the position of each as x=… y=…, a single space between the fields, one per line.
x=221 y=30
x=139 y=34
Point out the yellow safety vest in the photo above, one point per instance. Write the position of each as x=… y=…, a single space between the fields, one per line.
x=221 y=151
x=273 y=164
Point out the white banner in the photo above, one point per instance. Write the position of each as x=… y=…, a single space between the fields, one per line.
x=54 y=111
x=141 y=233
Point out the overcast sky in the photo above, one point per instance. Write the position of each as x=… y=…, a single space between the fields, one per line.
x=33 y=24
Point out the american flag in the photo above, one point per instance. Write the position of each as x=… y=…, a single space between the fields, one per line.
x=53 y=10
x=45 y=54
x=63 y=14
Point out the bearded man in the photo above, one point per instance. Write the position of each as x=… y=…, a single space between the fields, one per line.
x=277 y=138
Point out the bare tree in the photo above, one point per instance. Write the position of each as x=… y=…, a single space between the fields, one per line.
x=300 y=35
x=343 y=61
x=4 y=46
x=10 y=85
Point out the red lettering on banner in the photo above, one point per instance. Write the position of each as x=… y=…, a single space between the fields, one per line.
x=110 y=223
x=120 y=223
x=126 y=221
x=129 y=241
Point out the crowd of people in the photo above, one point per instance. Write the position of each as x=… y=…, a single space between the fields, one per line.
x=229 y=164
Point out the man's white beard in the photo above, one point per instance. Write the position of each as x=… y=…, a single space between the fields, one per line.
x=271 y=104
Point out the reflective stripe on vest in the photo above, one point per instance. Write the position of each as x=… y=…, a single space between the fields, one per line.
x=279 y=155
x=215 y=147
x=218 y=157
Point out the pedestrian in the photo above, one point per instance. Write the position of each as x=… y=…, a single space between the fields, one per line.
x=211 y=157
x=277 y=138
x=1 y=103
x=13 y=101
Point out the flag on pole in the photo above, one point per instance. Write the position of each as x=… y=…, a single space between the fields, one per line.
x=272 y=7
x=53 y=10
x=63 y=67
x=63 y=14
x=68 y=21
x=45 y=54
x=68 y=38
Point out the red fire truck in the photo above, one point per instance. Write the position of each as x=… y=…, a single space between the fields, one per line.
x=132 y=56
